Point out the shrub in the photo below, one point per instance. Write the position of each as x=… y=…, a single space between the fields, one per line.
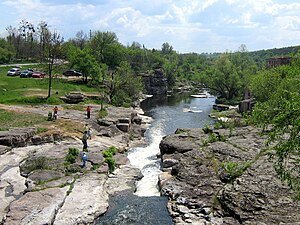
x=234 y=169
x=34 y=163
x=109 y=152
x=103 y=113
x=72 y=155
x=111 y=164
x=108 y=158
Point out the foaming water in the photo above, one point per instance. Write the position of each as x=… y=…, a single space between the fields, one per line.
x=168 y=115
x=145 y=158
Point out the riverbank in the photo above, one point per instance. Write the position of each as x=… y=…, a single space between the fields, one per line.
x=39 y=186
x=223 y=176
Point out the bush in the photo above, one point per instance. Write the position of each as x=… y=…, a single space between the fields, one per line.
x=234 y=169
x=109 y=152
x=103 y=113
x=108 y=158
x=111 y=164
x=72 y=155
x=34 y=163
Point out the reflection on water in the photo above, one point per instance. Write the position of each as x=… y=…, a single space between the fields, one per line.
x=169 y=113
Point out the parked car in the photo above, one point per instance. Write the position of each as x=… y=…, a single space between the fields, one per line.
x=26 y=74
x=14 y=72
x=72 y=73
x=38 y=74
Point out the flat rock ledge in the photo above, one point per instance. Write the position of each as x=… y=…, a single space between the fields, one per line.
x=38 y=187
x=225 y=180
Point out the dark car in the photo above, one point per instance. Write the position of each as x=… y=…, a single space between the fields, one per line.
x=26 y=74
x=38 y=74
x=14 y=72
x=72 y=73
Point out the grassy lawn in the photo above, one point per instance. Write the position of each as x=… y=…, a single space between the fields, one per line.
x=9 y=120
x=16 y=90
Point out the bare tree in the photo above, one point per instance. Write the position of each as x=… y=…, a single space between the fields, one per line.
x=53 y=52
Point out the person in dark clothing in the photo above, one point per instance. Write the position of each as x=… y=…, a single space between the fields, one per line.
x=88 y=112
x=84 y=141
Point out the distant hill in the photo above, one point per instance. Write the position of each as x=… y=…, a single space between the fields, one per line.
x=261 y=56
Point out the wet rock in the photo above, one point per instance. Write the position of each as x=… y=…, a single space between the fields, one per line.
x=123 y=179
x=169 y=163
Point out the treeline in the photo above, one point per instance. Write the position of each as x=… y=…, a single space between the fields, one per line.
x=115 y=68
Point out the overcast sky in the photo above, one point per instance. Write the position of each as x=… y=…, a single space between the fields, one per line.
x=188 y=25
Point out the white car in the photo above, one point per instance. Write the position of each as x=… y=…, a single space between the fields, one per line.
x=14 y=72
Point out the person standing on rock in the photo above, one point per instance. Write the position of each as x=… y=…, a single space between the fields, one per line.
x=88 y=112
x=84 y=158
x=55 y=110
x=88 y=130
x=84 y=141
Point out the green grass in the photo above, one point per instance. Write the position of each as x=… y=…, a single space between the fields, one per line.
x=16 y=90
x=14 y=119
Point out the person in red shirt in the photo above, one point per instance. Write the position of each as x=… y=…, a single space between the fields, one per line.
x=55 y=110
x=88 y=112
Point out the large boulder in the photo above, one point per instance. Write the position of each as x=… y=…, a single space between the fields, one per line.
x=17 y=137
x=73 y=98
x=225 y=181
x=36 y=207
x=87 y=201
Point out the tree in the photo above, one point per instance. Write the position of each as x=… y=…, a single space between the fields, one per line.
x=106 y=48
x=53 y=51
x=166 y=48
x=125 y=87
x=222 y=78
x=80 y=40
x=279 y=112
x=83 y=60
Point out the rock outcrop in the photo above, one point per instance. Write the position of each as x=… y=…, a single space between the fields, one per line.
x=223 y=177
x=156 y=83
x=17 y=137
x=40 y=185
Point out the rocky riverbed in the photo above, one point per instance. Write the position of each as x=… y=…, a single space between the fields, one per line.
x=210 y=176
x=37 y=184
x=223 y=176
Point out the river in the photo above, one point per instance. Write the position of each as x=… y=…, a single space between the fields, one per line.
x=169 y=113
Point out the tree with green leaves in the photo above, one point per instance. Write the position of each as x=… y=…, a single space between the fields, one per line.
x=125 y=86
x=278 y=112
x=85 y=62
x=106 y=48
x=222 y=78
